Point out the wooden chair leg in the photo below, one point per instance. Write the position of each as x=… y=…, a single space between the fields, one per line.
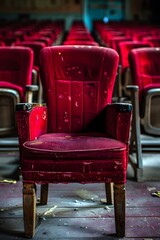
x=29 y=209
x=119 y=207
x=109 y=193
x=44 y=194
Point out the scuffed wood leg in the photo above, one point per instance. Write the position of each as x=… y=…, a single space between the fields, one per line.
x=44 y=194
x=29 y=209
x=119 y=207
x=109 y=193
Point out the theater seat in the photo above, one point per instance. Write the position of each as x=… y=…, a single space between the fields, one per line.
x=145 y=91
x=36 y=46
x=79 y=135
x=124 y=73
x=15 y=84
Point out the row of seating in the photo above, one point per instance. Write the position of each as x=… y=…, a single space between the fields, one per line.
x=79 y=35
x=19 y=67
x=139 y=68
x=44 y=31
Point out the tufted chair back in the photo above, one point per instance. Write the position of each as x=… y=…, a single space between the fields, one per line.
x=77 y=85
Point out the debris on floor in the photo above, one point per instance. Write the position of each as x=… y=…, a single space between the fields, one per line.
x=156 y=194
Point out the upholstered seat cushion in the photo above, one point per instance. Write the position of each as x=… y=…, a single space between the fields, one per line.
x=57 y=152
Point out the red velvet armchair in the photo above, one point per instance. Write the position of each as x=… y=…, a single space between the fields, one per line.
x=145 y=97
x=79 y=136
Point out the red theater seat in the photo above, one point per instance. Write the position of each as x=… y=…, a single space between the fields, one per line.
x=144 y=65
x=36 y=46
x=79 y=136
x=124 y=69
x=15 y=83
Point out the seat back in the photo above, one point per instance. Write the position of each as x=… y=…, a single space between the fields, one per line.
x=16 y=65
x=144 y=64
x=117 y=40
x=15 y=73
x=153 y=40
x=78 y=83
x=124 y=48
x=36 y=46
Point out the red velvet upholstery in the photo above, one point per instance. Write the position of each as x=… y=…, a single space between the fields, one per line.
x=116 y=40
x=80 y=42
x=16 y=68
x=144 y=64
x=16 y=64
x=145 y=92
x=37 y=37
x=124 y=71
x=124 y=49
x=36 y=46
x=2 y=44
x=79 y=136
x=154 y=41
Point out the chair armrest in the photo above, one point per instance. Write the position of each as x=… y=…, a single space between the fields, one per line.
x=118 y=121
x=134 y=89
x=29 y=92
x=31 y=121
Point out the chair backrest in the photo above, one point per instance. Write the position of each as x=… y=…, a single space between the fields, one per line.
x=116 y=40
x=153 y=40
x=36 y=46
x=144 y=64
x=78 y=82
x=16 y=65
x=124 y=49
